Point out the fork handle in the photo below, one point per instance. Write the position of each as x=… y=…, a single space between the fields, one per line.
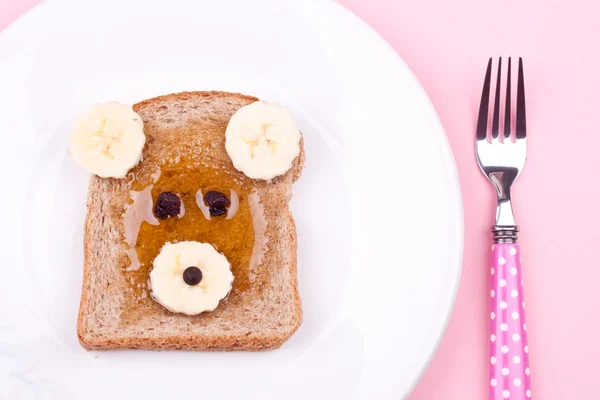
x=509 y=358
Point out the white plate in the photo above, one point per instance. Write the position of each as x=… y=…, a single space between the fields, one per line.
x=378 y=208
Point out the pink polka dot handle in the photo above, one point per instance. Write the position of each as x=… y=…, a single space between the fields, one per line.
x=509 y=359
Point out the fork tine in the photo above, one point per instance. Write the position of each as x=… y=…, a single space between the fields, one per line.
x=507 y=109
x=496 y=115
x=521 y=130
x=483 y=106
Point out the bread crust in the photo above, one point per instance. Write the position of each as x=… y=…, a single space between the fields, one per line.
x=190 y=123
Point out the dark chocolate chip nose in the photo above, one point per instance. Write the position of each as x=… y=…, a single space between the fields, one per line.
x=192 y=276
x=167 y=205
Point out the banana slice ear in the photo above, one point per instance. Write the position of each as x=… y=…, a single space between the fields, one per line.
x=107 y=140
x=262 y=140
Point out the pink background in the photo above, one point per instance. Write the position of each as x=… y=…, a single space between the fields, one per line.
x=447 y=43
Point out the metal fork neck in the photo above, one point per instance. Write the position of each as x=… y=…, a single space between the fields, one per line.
x=505 y=229
x=504 y=212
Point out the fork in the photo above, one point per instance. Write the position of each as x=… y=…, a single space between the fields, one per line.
x=501 y=157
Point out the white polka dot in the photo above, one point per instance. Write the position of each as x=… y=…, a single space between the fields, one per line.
x=493 y=315
x=492 y=293
x=493 y=382
x=528 y=393
x=523 y=304
x=501 y=260
x=503 y=305
x=513 y=271
x=493 y=271
x=513 y=251
x=526 y=348
x=493 y=247
x=527 y=371
x=517 y=382
x=514 y=293
x=493 y=338
x=517 y=359
x=525 y=327
x=504 y=327
x=505 y=371
x=515 y=315
x=504 y=349
x=516 y=337
x=502 y=283
x=493 y=360
x=505 y=394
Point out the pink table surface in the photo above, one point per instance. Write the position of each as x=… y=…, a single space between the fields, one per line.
x=446 y=43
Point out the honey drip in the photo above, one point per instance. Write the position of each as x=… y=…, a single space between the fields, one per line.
x=239 y=234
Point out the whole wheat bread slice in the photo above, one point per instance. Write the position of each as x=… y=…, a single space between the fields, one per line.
x=191 y=126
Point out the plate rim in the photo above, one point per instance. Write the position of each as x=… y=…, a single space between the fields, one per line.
x=443 y=137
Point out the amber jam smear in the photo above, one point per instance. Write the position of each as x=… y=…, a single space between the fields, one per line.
x=232 y=234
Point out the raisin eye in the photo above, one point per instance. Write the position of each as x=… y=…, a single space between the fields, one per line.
x=217 y=199
x=216 y=211
x=217 y=203
x=167 y=205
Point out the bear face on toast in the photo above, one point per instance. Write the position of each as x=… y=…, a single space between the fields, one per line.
x=185 y=157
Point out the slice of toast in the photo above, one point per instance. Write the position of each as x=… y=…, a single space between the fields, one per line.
x=185 y=133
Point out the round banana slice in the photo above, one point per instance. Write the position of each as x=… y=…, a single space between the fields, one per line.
x=190 y=277
x=108 y=139
x=262 y=140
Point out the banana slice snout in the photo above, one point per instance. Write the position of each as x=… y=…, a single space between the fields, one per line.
x=190 y=277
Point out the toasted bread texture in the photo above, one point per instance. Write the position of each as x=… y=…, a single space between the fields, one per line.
x=187 y=126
